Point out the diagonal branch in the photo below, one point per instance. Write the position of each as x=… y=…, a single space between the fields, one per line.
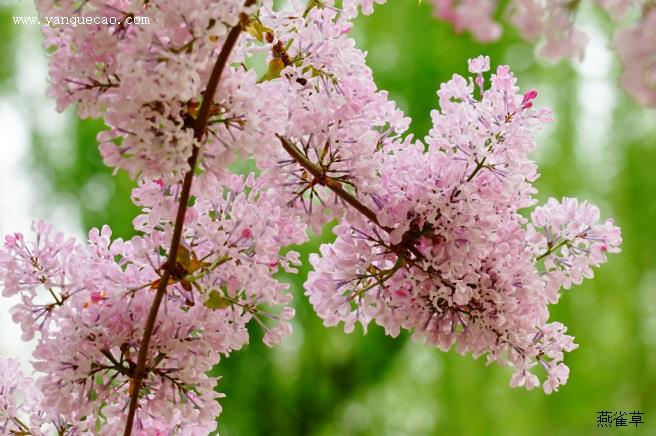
x=328 y=182
x=407 y=245
x=200 y=125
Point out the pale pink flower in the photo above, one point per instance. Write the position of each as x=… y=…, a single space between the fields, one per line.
x=637 y=51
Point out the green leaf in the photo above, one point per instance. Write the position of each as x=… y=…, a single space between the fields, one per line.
x=216 y=301
x=276 y=65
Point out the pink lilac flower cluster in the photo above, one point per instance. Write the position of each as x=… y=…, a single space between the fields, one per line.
x=16 y=396
x=21 y=412
x=639 y=58
x=554 y=23
x=429 y=234
x=146 y=81
x=450 y=257
x=332 y=108
x=87 y=302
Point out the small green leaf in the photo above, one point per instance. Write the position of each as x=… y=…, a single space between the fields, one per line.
x=258 y=30
x=276 y=65
x=216 y=301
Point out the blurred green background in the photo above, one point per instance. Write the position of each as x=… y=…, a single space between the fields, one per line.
x=321 y=381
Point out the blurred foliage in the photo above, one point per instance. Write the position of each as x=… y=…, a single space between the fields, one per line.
x=7 y=43
x=324 y=382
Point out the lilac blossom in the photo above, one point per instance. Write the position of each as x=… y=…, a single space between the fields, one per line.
x=449 y=257
x=553 y=23
x=430 y=235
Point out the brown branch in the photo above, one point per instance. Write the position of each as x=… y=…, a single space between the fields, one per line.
x=324 y=180
x=328 y=182
x=200 y=125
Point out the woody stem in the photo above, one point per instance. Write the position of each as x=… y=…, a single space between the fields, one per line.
x=199 y=125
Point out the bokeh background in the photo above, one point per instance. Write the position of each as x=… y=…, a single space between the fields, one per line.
x=323 y=382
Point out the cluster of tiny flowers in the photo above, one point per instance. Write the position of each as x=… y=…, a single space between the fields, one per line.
x=20 y=411
x=475 y=16
x=566 y=237
x=145 y=81
x=333 y=111
x=429 y=234
x=87 y=303
x=14 y=396
x=639 y=59
x=553 y=22
x=450 y=258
